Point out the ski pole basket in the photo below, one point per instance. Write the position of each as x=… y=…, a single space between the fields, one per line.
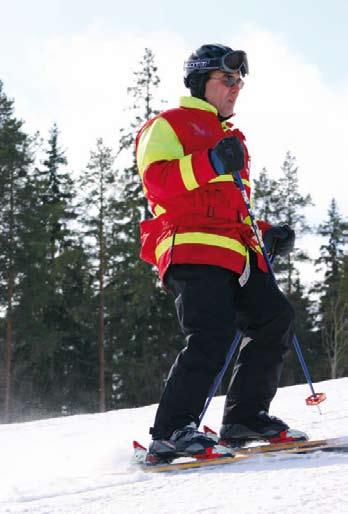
x=315 y=399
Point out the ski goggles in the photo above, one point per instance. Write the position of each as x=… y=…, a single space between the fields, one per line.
x=230 y=80
x=232 y=61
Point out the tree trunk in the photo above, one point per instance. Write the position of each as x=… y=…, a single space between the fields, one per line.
x=333 y=364
x=101 y=353
x=101 y=332
x=289 y=291
x=8 y=354
x=9 y=321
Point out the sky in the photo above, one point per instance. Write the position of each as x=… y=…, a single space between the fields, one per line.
x=70 y=62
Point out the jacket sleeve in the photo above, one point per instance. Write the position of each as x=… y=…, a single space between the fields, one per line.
x=263 y=226
x=165 y=170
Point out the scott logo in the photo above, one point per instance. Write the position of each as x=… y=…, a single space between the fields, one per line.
x=197 y=64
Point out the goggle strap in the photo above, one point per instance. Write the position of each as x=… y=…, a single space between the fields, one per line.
x=204 y=64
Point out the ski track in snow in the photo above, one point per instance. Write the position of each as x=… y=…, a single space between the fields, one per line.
x=82 y=465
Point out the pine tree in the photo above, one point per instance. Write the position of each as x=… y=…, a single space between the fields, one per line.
x=308 y=336
x=289 y=209
x=333 y=309
x=57 y=193
x=142 y=91
x=332 y=251
x=265 y=197
x=279 y=201
x=51 y=329
x=142 y=327
x=15 y=159
x=95 y=184
x=54 y=210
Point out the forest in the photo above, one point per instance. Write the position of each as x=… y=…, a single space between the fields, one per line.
x=85 y=325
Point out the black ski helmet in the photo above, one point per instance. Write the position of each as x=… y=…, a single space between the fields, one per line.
x=208 y=58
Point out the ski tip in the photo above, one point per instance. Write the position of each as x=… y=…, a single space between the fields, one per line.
x=208 y=430
x=211 y=433
x=138 y=446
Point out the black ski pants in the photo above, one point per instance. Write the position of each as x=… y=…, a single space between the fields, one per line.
x=211 y=306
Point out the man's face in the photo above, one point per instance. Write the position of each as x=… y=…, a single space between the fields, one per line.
x=220 y=94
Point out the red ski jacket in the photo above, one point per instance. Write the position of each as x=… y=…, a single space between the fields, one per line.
x=199 y=216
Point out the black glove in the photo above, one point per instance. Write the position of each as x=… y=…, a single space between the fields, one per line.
x=227 y=156
x=279 y=240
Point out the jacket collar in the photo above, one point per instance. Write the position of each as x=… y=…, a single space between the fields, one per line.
x=192 y=102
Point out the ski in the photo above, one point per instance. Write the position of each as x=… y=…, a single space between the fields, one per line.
x=338 y=444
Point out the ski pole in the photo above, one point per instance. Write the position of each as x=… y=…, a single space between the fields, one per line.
x=315 y=398
x=219 y=377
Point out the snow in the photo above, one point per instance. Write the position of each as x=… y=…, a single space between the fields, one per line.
x=82 y=465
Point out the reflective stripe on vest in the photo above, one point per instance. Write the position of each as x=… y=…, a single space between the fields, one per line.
x=228 y=178
x=187 y=174
x=150 y=148
x=202 y=238
x=158 y=210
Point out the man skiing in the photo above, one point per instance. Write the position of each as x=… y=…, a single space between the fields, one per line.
x=201 y=240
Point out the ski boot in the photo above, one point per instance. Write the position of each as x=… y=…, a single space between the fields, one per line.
x=185 y=442
x=262 y=426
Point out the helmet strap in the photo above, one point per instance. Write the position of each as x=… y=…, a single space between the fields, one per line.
x=225 y=118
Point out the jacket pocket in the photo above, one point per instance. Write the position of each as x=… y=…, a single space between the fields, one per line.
x=149 y=233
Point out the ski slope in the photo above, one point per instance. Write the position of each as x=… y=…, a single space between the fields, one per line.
x=82 y=465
